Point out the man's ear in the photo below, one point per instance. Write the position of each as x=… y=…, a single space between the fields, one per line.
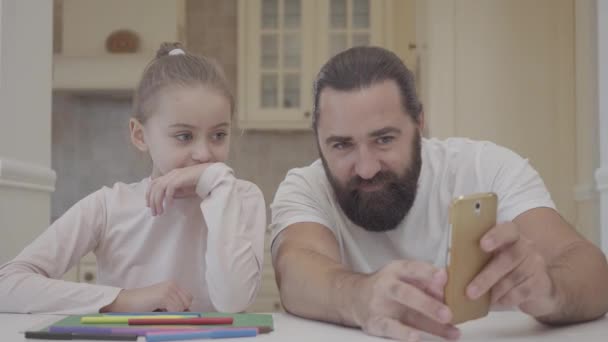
x=137 y=135
x=421 y=122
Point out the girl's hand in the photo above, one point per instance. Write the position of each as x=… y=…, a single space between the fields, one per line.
x=164 y=296
x=178 y=183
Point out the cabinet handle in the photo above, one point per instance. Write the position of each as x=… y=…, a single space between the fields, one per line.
x=307 y=114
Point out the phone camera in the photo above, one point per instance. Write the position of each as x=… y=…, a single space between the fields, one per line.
x=477 y=208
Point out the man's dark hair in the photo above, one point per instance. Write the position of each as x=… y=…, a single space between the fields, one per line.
x=361 y=67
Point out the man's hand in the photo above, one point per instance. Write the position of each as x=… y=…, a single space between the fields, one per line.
x=178 y=183
x=164 y=296
x=517 y=275
x=402 y=298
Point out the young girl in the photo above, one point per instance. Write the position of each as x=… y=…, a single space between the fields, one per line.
x=189 y=237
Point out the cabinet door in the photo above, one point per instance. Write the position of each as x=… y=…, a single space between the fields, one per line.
x=343 y=24
x=282 y=45
x=275 y=63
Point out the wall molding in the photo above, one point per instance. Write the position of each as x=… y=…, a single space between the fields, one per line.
x=585 y=192
x=601 y=179
x=26 y=176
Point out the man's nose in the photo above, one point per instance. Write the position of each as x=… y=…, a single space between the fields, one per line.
x=367 y=164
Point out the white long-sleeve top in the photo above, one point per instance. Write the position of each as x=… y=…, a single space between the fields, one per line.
x=211 y=246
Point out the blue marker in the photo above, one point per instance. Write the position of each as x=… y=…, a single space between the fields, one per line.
x=226 y=333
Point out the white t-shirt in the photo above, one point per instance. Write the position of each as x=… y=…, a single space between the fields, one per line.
x=450 y=168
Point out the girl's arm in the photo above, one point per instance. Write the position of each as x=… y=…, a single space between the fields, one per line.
x=30 y=283
x=235 y=213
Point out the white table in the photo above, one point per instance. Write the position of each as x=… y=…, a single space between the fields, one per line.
x=498 y=326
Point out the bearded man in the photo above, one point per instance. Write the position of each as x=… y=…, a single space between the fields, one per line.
x=360 y=236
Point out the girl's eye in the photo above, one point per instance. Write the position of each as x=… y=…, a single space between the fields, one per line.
x=184 y=137
x=219 y=136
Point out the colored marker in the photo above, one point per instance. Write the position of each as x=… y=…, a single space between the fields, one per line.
x=219 y=333
x=121 y=319
x=45 y=335
x=182 y=321
x=160 y=313
x=128 y=331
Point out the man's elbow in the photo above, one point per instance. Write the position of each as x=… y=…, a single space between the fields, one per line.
x=586 y=297
x=603 y=281
x=281 y=261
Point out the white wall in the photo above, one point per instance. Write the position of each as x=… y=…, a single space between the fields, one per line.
x=87 y=23
x=587 y=141
x=26 y=179
x=503 y=70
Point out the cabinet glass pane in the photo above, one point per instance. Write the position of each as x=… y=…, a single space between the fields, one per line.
x=270 y=14
x=360 y=14
x=337 y=14
x=269 y=90
x=270 y=53
x=337 y=43
x=292 y=14
x=291 y=91
x=360 y=39
x=291 y=50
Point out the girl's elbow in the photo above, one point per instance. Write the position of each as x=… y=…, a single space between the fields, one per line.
x=233 y=302
x=235 y=296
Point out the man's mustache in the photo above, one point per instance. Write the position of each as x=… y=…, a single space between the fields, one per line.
x=380 y=178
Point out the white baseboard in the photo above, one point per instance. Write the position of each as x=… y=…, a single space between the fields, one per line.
x=26 y=176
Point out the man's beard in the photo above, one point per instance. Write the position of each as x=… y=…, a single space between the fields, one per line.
x=383 y=209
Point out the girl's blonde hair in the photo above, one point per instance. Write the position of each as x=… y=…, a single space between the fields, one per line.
x=173 y=67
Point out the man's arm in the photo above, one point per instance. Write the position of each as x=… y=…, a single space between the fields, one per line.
x=307 y=274
x=394 y=302
x=578 y=268
x=544 y=267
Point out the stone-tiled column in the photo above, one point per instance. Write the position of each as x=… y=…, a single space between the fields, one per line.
x=601 y=174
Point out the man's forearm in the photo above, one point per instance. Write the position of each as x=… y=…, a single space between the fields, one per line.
x=580 y=278
x=315 y=286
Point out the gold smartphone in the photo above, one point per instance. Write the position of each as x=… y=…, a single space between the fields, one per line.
x=471 y=217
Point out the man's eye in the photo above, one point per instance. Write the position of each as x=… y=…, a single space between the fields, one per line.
x=184 y=137
x=385 y=140
x=340 y=146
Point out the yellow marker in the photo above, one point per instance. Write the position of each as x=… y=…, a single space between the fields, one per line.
x=123 y=319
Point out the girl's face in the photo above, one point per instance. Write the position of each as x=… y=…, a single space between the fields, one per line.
x=190 y=125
